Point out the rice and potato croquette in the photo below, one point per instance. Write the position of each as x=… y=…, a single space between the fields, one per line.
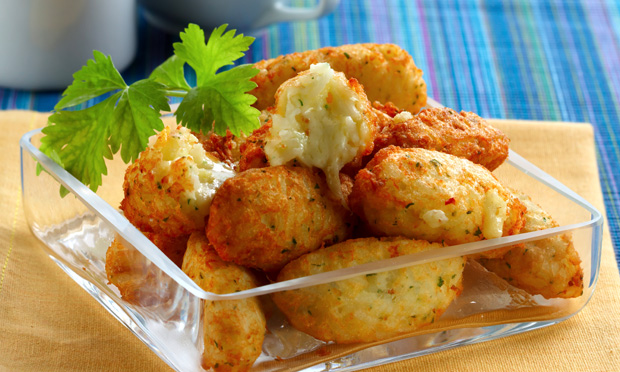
x=138 y=280
x=265 y=217
x=387 y=72
x=234 y=330
x=549 y=267
x=369 y=307
x=429 y=195
x=169 y=188
x=463 y=134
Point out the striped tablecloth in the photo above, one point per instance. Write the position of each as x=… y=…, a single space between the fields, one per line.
x=553 y=60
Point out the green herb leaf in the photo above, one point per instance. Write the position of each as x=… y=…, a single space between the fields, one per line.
x=435 y=162
x=83 y=138
x=171 y=74
x=52 y=155
x=478 y=232
x=219 y=101
x=221 y=50
x=80 y=140
x=222 y=104
x=136 y=117
x=98 y=77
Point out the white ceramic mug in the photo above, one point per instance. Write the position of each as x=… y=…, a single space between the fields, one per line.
x=43 y=42
x=242 y=15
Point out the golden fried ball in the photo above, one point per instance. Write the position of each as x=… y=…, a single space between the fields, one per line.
x=138 y=280
x=369 y=307
x=234 y=330
x=321 y=119
x=463 y=134
x=549 y=267
x=430 y=195
x=265 y=217
x=387 y=72
x=169 y=189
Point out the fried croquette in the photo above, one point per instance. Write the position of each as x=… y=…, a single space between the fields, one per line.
x=321 y=119
x=138 y=280
x=549 y=267
x=388 y=108
x=386 y=71
x=463 y=134
x=265 y=217
x=223 y=148
x=252 y=151
x=430 y=195
x=169 y=188
x=369 y=307
x=234 y=330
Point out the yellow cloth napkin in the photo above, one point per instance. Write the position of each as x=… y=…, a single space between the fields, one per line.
x=48 y=323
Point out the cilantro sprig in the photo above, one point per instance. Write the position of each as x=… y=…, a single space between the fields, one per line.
x=81 y=139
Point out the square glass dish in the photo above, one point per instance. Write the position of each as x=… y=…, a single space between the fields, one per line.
x=78 y=229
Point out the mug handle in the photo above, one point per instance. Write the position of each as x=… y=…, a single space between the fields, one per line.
x=284 y=13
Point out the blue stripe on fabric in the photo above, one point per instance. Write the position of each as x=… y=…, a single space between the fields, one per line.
x=507 y=61
x=443 y=71
x=554 y=70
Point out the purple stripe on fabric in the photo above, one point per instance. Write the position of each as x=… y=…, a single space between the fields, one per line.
x=431 y=73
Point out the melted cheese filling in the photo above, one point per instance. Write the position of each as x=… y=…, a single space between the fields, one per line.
x=206 y=173
x=435 y=218
x=319 y=121
x=495 y=213
x=402 y=117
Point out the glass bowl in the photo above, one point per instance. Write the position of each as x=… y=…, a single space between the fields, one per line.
x=76 y=231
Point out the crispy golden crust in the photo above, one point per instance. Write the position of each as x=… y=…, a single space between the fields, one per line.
x=549 y=267
x=253 y=149
x=137 y=279
x=168 y=189
x=265 y=217
x=386 y=71
x=429 y=195
x=152 y=200
x=463 y=134
x=224 y=148
x=234 y=330
x=369 y=307
x=387 y=108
